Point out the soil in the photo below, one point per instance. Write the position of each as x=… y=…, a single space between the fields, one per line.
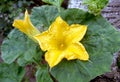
x=1 y=39
x=112 y=13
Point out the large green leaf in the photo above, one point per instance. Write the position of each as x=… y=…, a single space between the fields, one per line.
x=43 y=16
x=74 y=15
x=101 y=41
x=11 y=73
x=42 y=75
x=18 y=46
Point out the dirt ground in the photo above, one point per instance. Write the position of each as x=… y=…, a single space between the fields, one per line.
x=1 y=39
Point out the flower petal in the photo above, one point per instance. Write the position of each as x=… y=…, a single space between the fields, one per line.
x=76 y=33
x=76 y=51
x=26 y=26
x=46 y=41
x=53 y=57
x=58 y=27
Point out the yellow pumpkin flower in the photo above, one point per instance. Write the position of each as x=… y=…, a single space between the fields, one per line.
x=62 y=41
x=26 y=26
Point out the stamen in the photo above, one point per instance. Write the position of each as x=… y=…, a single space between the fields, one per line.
x=62 y=46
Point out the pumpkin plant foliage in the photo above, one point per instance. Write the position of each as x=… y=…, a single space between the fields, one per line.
x=20 y=47
x=11 y=72
x=101 y=41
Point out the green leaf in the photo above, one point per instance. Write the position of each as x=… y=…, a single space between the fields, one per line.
x=11 y=73
x=21 y=61
x=42 y=75
x=43 y=16
x=16 y=46
x=71 y=71
x=77 y=16
x=101 y=41
x=54 y=2
x=95 y=6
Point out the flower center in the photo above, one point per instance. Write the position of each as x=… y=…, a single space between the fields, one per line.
x=62 y=46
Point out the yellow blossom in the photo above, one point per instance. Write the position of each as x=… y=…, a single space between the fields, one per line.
x=62 y=41
x=26 y=26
